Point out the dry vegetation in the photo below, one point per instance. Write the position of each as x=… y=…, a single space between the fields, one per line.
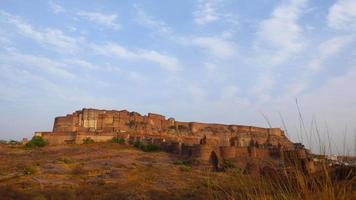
x=114 y=171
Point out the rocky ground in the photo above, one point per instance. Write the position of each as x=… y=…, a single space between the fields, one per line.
x=114 y=171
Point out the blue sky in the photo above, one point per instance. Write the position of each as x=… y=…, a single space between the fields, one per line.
x=205 y=60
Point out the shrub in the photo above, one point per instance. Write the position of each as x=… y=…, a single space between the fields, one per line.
x=88 y=141
x=139 y=144
x=147 y=148
x=66 y=160
x=36 y=141
x=151 y=147
x=229 y=164
x=189 y=162
x=118 y=140
x=14 y=142
x=185 y=168
x=30 y=170
x=3 y=142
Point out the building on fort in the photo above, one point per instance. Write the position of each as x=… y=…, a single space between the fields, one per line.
x=209 y=143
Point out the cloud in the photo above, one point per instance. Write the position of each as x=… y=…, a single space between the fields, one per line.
x=206 y=11
x=342 y=15
x=209 y=11
x=37 y=63
x=163 y=60
x=56 y=8
x=80 y=63
x=281 y=34
x=330 y=48
x=52 y=38
x=108 y=20
x=150 y=22
x=215 y=46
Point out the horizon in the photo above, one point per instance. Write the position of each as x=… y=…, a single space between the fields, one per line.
x=212 y=61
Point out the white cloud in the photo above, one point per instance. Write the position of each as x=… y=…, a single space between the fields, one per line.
x=163 y=60
x=35 y=62
x=209 y=11
x=330 y=48
x=215 y=46
x=281 y=33
x=108 y=20
x=80 y=63
x=342 y=15
x=53 y=38
x=206 y=11
x=150 y=22
x=56 y=8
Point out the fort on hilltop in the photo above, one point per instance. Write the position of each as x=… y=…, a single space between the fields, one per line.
x=210 y=143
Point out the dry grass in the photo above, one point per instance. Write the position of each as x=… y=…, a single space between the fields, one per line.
x=113 y=171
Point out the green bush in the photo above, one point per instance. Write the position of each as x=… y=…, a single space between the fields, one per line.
x=36 y=141
x=147 y=148
x=14 y=142
x=118 y=140
x=139 y=144
x=151 y=147
x=88 y=141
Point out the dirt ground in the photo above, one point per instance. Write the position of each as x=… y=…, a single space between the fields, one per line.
x=115 y=171
x=95 y=171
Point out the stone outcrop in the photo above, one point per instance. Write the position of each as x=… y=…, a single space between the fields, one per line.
x=210 y=143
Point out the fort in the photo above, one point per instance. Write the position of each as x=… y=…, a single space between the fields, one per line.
x=206 y=142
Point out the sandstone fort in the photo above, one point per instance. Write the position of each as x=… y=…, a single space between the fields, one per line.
x=206 y=142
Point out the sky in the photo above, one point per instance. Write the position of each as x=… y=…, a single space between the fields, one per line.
x=280 y=63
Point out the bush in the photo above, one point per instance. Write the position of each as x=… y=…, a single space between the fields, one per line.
x=66 y=160
x=139 y=144
x=14 y=142
x=3 y=142
x=189 y=162
x=118 y=140
x=229 y=164
x=147 y=148
x=30 y=170
x=151 y=147
x=36 y=141
x=88 y=141
x=185 y=168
